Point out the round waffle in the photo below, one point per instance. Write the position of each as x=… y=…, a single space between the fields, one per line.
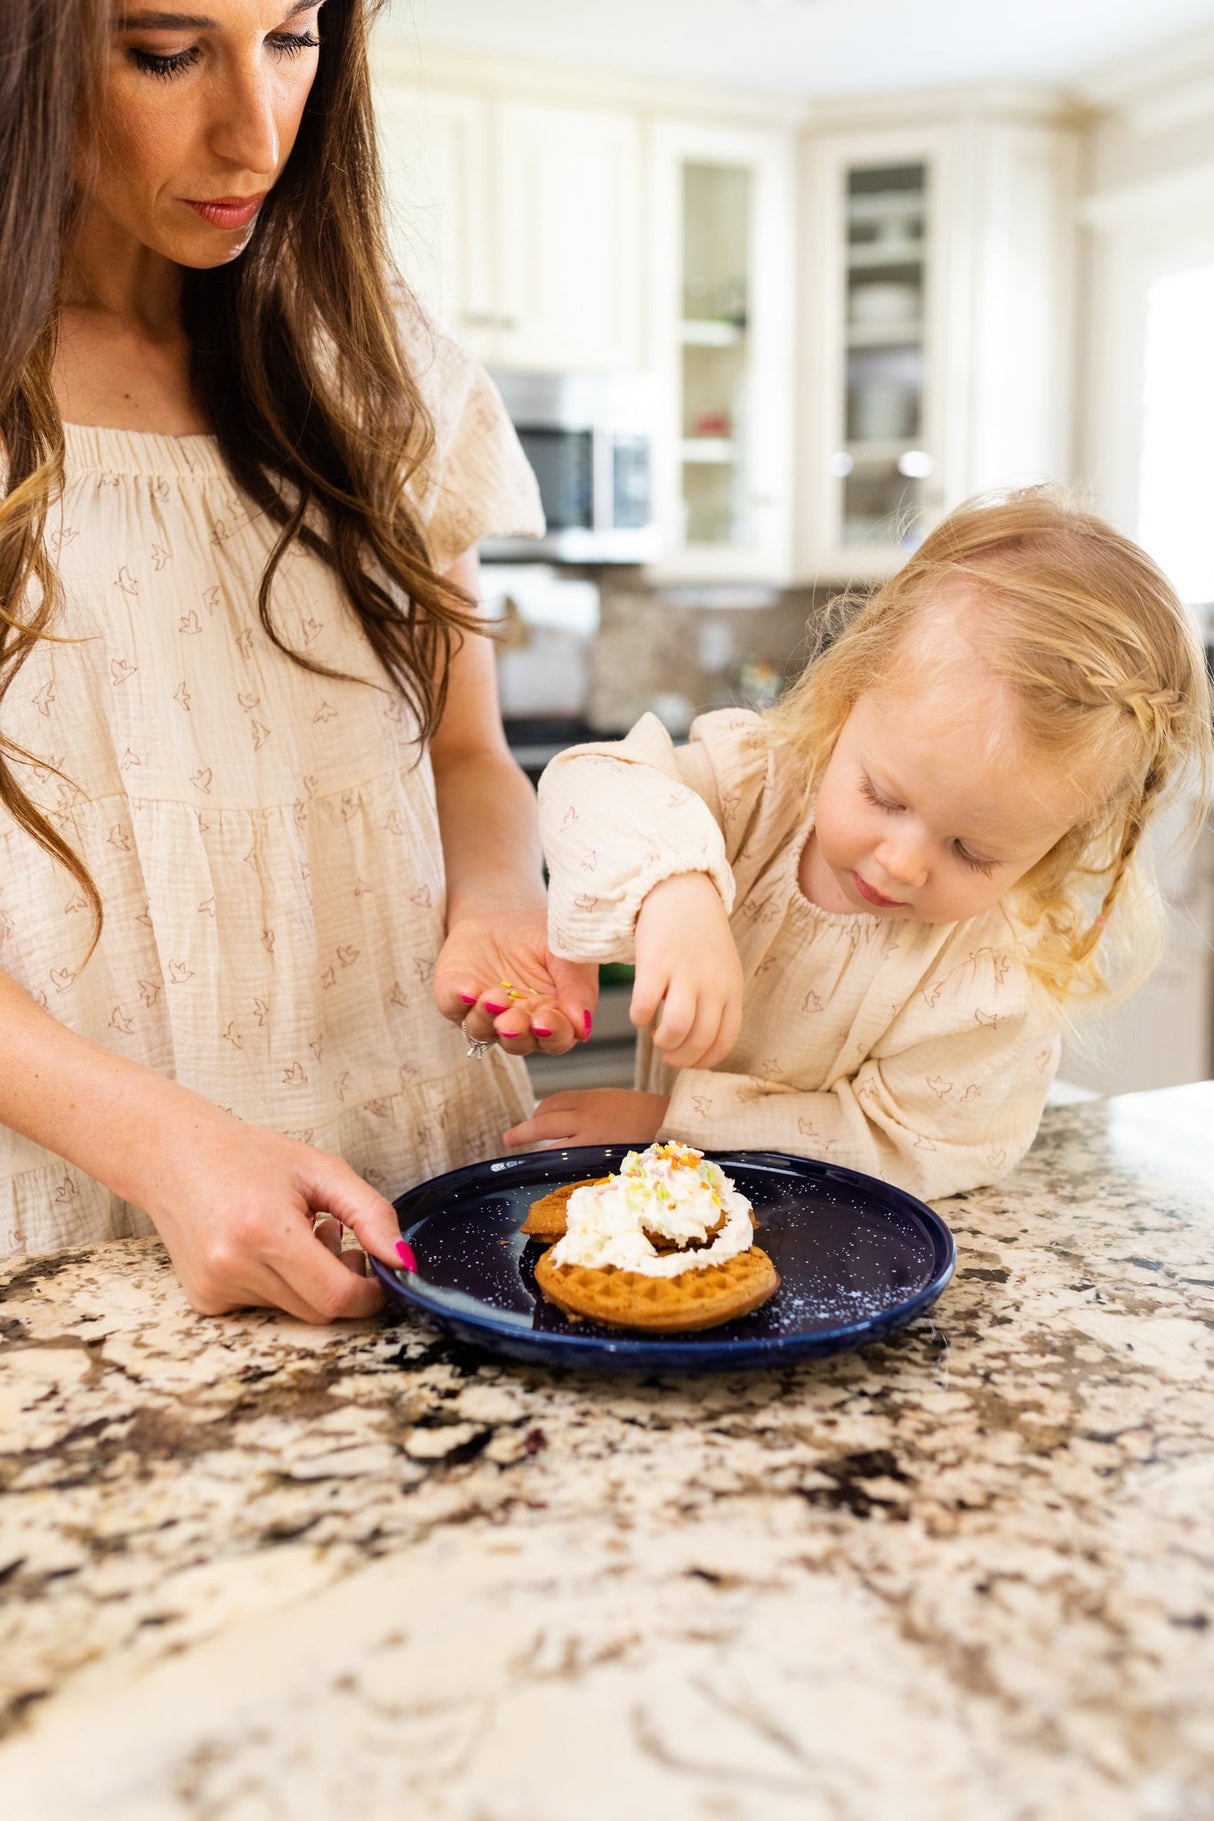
x=546 y=1217
x=700 y=1298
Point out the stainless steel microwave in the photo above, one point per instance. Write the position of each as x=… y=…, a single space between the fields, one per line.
x=589 y=438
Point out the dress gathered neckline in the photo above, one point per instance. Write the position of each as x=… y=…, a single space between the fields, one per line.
x=103 y=449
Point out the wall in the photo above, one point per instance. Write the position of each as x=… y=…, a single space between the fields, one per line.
x=1146 y=207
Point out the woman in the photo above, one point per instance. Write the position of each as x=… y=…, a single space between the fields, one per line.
x=255 y=804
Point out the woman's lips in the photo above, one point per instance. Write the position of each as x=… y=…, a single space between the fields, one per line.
x=228 y=211
x=873 y=896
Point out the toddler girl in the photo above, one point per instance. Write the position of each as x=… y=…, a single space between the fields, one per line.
x=863 y=919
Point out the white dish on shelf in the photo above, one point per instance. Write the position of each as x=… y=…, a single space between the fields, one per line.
x=887 y=301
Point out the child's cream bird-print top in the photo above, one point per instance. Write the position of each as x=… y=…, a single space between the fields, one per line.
x=264 y=840
x=916 y=1052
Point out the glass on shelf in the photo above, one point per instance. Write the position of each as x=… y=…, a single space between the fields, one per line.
x=717 y=207
x=880 y=469
x=716 y=243
x=886 y=212
x=714 y=503
x=884 y=394
x=883 y=505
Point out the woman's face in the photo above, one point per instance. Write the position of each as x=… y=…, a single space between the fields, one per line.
x=200 y=106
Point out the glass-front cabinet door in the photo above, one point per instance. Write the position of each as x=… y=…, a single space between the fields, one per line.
x=873 y=452
x=881 y=463
x=723 y=274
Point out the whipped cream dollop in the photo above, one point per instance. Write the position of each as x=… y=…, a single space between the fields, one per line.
x=670 y=1190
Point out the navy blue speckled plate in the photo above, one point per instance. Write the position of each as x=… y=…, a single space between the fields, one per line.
x=857 y=1260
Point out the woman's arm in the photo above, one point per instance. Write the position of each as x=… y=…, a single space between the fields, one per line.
x=234 y=1203
x=496 y=916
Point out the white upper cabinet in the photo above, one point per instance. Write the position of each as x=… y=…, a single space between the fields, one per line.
x=936 y=328
x=569 y=234
x=519 y=223
x=855 y=323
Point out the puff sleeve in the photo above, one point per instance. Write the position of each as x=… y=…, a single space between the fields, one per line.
x=475 y=480
x=618 y=817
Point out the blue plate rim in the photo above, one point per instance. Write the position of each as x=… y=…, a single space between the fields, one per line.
x=563 y=1350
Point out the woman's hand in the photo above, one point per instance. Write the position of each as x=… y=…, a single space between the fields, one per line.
x=687 y=964
x=496 y=973
x=235 y=1206
x=592 y=1116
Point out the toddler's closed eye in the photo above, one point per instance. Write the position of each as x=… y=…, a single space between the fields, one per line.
x=985 y=867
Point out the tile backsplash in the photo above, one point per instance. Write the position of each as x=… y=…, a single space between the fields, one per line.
x=679 y=650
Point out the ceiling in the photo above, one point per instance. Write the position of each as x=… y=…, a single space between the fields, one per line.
x=810 y=47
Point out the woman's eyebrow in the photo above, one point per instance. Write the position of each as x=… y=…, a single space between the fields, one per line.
x=187 y=22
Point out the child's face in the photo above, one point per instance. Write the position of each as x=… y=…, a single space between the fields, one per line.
x=929 y=808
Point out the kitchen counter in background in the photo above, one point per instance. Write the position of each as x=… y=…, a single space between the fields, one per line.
x=253 y=1570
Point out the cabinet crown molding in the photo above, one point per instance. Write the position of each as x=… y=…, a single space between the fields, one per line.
x=432 y=66
x=1160 y=90
x=1004 y=102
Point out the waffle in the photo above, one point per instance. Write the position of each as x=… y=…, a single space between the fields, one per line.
x=663 y=1246
x=545 y=1220
x=700 y=1298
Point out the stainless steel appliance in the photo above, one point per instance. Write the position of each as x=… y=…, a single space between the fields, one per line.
x=589 y=438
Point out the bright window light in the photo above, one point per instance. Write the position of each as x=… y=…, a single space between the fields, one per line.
x=916 y=464
x=1176 y=477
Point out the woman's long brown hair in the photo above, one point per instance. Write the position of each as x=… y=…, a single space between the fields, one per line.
x=49 y=53
x=297 y=366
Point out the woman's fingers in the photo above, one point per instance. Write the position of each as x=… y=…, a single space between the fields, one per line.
x=316 y=1284
x=577 y=997
x=329 y=1233
x=333 y=1188
x=521 y=1023
x=480 y=1017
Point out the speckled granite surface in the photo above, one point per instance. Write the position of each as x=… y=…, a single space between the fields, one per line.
x=250 y=1570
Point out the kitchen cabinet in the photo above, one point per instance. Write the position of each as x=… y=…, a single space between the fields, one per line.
x=722 y=314
x=518 y=222
x=936 y=286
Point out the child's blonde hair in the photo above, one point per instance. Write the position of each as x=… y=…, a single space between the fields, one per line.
x=1109 y=673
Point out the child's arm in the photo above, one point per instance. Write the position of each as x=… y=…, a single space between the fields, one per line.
x=232 y=1202
x=687 y=969
x=641 y=839
x=948 y=1098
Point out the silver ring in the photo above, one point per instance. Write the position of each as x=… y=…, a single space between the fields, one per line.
x=477 y=1046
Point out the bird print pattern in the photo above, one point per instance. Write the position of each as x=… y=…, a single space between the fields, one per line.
x=265 y=844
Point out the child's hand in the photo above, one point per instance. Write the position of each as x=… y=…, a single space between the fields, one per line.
x=592 y=1116
x=497 y=974
x=687 y=963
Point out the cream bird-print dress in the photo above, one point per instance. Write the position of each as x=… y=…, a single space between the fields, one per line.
x=265 y=840
x=917 y=1052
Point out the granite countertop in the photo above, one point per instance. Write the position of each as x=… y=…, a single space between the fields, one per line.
x=254 y=1570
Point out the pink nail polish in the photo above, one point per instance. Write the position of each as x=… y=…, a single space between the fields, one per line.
x=586 y=1022
x=404 y=1251
x=466 y=1000
x=537 y=1032
x=495 y=1011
